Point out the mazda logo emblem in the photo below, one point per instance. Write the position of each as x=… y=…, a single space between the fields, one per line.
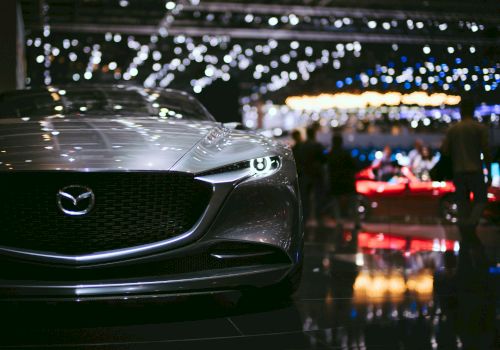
x=75 y=200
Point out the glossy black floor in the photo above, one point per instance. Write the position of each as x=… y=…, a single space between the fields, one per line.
x=351 y=297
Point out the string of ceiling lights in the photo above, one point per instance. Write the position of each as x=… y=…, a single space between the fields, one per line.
x=266 y=67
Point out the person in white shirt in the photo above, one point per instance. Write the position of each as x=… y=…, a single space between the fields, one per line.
x=423 y=163
x=415 y=153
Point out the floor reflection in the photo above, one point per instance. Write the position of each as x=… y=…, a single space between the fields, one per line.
x=398 y=292
x=372 y=289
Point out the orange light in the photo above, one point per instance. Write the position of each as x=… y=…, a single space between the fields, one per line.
x=369 y=98
x=377 y=286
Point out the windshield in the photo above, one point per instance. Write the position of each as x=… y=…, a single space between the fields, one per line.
x=101 y=101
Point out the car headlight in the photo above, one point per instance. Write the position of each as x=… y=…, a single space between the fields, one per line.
x=263 y=166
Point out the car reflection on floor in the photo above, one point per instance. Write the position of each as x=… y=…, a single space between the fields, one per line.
x=394 y=289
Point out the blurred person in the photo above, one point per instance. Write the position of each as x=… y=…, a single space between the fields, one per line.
x=297 y=143
x=423 y=164
x=464 y=143
x=342 y=177
x=323 y=135
x=385 y=166
x=311 y=179
x=415 y=153
x=298 y=153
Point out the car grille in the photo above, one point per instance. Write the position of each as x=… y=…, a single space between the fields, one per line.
x=131 y=209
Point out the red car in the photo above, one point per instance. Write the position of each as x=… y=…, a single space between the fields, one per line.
x=404 y=194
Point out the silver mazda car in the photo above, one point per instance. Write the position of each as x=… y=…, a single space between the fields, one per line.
x=120 y=192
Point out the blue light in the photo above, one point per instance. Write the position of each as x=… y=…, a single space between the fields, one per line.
x=404 y=59
x=369 y=72
x=432 y=59
x=407 y=86
x=413 y=306
x=495 y=170
x=418 y=65
x=494 y=270
x=458 y=60
x=354 y=313
x=355 y=152
x=339 y=84
x=348 y=80
x=391 y=64
x=441 y=74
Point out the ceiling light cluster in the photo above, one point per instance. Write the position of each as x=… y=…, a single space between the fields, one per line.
x=265 y=67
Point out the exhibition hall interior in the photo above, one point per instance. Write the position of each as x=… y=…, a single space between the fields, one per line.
x=250 y=174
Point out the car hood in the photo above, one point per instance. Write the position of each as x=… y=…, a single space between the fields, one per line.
x=123 y=144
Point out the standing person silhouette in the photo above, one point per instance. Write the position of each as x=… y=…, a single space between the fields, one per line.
x=297 y=150
x=311 y=184
x=342 y=170
x=467 y=144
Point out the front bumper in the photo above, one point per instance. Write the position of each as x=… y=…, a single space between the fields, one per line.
x=205 y=267
x=161 y=286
